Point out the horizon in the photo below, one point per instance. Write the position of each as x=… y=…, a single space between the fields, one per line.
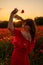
x=32 y=8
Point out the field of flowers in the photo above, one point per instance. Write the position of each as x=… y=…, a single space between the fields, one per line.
x=6 y=34
x=6 y=47
x=39 y=31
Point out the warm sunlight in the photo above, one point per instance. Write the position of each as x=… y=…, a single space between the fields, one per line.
x=15 y=20
x=26 y=8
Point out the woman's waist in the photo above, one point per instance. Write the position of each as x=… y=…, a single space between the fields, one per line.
x=21 y=50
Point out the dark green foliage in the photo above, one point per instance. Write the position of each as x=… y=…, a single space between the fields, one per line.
x=37 y=56
x=5 y=52
x=39 y=20
x=4 y=24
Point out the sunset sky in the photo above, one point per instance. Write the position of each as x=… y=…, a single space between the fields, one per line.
x=32 y=8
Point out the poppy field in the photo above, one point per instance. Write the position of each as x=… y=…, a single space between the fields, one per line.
x=36 y=58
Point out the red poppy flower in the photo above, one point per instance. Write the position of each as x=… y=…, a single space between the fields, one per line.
x=22 y=11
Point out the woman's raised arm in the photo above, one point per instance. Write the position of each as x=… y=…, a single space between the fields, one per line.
x=10 y=23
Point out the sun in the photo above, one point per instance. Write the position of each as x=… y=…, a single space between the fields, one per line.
x=15 y=20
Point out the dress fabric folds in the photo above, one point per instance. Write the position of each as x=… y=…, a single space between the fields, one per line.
x=22 y=48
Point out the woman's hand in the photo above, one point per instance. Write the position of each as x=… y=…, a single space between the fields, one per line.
x=18 y=17
x=14 y=11
x=10 y=24
x=13 y=14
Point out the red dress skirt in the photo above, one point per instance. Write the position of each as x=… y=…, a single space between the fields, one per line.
x=22 y=48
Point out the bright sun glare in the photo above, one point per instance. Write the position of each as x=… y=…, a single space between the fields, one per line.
x=15 y=20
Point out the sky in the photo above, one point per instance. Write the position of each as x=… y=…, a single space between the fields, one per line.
x=32 y=8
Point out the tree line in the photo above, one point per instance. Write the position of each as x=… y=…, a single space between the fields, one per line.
x=37 y=20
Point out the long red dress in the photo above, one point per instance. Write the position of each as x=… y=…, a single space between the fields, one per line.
x=22 y=48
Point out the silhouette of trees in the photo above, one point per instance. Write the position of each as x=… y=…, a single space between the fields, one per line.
x=38 y=20
x=4 y=24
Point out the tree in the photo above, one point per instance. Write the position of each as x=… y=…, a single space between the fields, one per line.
x=38 y=20
x=4 y=24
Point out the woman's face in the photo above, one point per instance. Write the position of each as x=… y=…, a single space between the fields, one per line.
x=26 y=27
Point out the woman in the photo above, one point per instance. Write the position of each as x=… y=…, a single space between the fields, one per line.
x=23 y=40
